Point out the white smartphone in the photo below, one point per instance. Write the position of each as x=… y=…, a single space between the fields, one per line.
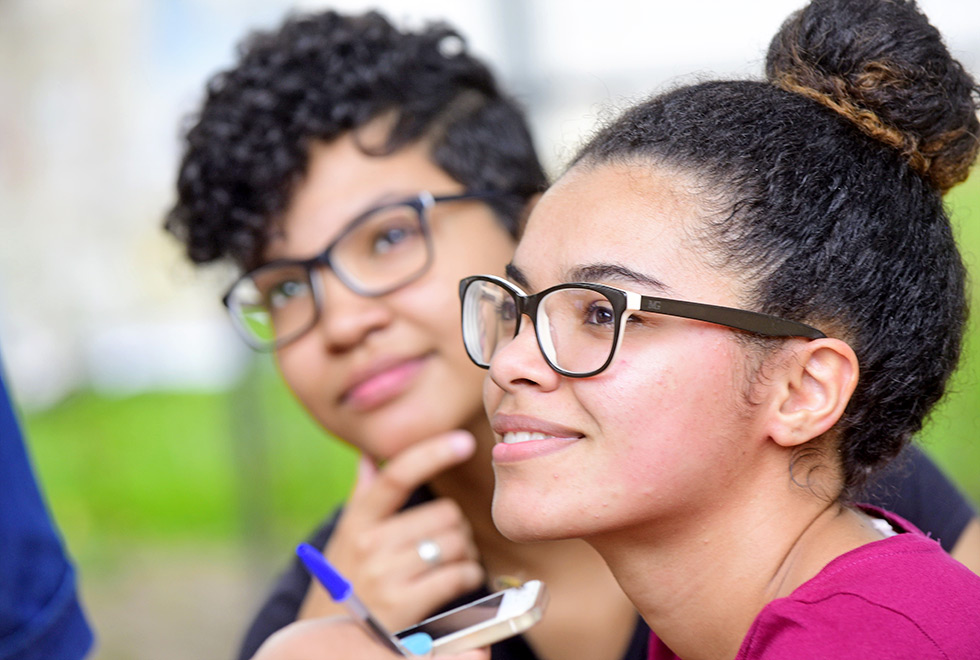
x=484 y=621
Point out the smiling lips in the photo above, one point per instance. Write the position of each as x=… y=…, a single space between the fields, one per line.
x=519 y=442
x=515 y=438
x=382 y=383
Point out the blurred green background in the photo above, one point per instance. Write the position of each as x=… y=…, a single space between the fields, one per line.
x=246 y=465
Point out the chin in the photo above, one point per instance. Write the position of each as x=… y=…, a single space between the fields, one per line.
x=521 y=526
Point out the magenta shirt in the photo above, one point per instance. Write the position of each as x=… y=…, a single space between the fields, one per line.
x=901 y=597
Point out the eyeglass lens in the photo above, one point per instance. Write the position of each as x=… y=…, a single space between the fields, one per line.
x=378 y=253
x=576 y=328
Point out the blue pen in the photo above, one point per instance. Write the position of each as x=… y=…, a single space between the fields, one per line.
x=340 y=590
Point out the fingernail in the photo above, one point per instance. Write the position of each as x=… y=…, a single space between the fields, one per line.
x=463 y=443
x=418 y=644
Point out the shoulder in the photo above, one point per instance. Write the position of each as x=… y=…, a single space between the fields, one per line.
x=899 y=597
x=842 y=626
x=914 y=487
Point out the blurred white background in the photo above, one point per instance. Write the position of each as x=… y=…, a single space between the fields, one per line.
x=92 y=94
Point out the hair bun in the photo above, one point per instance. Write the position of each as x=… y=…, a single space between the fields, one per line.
x=880 y=64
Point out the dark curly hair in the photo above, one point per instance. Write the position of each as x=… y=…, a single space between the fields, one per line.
x=831 y=211
x=316 y=77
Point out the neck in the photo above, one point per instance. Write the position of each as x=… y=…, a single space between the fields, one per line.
x=701 y=583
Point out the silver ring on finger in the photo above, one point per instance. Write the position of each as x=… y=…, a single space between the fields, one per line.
x=429 y=552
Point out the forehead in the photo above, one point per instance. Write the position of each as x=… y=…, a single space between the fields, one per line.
x=342 y=181
x=638 y=216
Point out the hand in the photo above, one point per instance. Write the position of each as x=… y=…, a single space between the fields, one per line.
x=376 y=546
x=336 y=638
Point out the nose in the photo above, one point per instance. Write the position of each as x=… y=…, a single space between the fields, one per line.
x=347 y=318
x=519 y=363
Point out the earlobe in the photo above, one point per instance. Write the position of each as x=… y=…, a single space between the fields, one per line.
x=816 y=386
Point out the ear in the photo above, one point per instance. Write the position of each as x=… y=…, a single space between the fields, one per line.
x=812 y=391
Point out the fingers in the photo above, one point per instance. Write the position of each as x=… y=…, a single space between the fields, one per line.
x=366 y=474
x=338 y=638
x=375 y=544
x=411 y=468
x=395 y=580
x=447 y=582
x=478 y=654
x=441 y=522
x=323 y=639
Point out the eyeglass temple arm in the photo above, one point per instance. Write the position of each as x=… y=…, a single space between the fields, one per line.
x=741 y=319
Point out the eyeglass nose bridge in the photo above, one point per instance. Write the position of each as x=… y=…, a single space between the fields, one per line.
x=315 y=267
x=529 y=306
x=318 y=268
x=322 y=266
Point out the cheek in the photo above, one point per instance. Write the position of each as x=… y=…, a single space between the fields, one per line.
x=295 y=363
x=433 y=310
x=668 y=414
x=691 y=376
x=302 y=368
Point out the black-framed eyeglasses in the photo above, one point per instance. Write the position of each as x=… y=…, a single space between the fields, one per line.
x=379 y=251
x=580 y=325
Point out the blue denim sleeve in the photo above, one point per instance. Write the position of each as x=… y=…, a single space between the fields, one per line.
x=40 y=614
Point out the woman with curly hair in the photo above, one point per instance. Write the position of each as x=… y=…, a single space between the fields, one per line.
x=355 y=172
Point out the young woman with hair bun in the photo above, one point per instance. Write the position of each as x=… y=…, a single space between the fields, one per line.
x=795 y=305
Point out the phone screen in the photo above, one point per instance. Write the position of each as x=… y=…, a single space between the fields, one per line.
x=465 y=617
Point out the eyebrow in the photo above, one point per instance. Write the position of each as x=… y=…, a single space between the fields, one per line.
x=595 y=273
x=516 y=275
x=382 y=200
x=604 y=272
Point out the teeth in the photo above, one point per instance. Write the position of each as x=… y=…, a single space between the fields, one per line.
x=518 y=437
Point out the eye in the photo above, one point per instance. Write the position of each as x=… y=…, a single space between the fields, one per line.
x=285 y=291
x=390 y=237
x=600 y=313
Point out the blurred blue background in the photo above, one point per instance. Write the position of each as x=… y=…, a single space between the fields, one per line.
x=178 y=468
